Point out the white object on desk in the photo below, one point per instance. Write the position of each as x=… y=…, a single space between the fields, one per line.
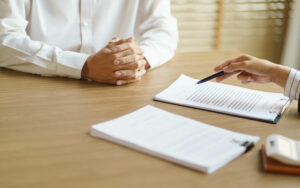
x=265 y=106
x=175 y=138
x=283 y=149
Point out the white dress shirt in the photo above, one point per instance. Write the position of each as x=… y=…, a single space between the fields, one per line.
x=55 y=37
x=292 y=86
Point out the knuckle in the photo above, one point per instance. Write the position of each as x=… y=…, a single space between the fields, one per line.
x=123 y=60
x=114 y=56
x=120 y=47
x=228 y=62
x=113 y=76
x=131 y=46
x=246 y=56
x=136 y=57
x=134 y=51
x=243 y=63
x=134 y=65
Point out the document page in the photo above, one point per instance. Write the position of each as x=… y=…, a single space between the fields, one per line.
x=172 y=137
x=224 y=98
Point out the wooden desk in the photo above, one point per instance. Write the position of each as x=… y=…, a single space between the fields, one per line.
x=45 y=124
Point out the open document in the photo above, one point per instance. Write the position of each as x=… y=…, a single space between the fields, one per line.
x=265 y=106
x=175 y=138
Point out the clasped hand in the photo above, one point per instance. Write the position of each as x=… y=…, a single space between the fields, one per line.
x=120 y=62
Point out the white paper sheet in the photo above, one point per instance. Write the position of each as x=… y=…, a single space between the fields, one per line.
x=175 y=138
x=224 y=98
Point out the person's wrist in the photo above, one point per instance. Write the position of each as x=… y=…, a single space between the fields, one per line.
x=85 y=68
x=280 y=74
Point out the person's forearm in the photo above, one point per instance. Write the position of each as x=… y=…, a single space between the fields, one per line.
x=157 y=33
x=280 y=74
x=18 y=51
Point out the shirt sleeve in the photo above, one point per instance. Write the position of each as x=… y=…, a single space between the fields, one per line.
x=292 y=86
x=156 y=31
x=19 y=52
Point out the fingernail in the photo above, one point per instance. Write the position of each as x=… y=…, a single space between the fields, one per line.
x=114 y=49
x=117 y=62
x=118 y=74
x=119 y=82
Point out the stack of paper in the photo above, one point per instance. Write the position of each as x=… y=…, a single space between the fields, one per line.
x=265 y=106
x=175 y=138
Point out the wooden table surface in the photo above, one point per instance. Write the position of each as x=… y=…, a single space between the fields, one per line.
x=45 y=124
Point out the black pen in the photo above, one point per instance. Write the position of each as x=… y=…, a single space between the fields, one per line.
x=221 y=73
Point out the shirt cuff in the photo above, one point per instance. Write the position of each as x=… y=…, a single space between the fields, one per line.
x=70 y=64
x=150 y=57
x=154 y=58
x=292 y=86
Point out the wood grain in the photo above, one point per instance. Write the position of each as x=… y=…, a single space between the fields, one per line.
x=45 y=124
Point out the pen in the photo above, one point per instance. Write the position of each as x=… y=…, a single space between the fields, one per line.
x=221 y=73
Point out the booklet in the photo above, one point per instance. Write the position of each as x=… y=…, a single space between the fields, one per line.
x=253 y=104
x=175 y=138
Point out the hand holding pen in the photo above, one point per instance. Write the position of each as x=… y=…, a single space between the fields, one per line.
x=251 y=70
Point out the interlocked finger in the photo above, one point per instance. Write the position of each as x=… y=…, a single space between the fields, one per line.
x=132 y=66
x=138 y=76
x=136 y=50
x=129 y=59
x=125 y=74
